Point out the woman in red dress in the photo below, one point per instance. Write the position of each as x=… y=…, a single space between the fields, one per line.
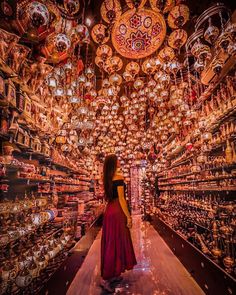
x=117 y=253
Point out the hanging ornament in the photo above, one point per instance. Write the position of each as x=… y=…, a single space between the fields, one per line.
x=177 y=38
x=99 y=62
x=211 y=33
x=138 y=84
x=116 y=63
x=38 y=13
x=149 y=66
x=178 y=16
x=127 y=77
x=166 y=54
x=71 y=6
x=62 y=42
x=133 y=68
x=80 y=34
x=138 y=33
x=115 y=79
x=160 y=5
x=100 y=34
x=104 y=51
x=135 y=3
x=111 y=10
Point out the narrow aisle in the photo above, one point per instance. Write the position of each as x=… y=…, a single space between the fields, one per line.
x=158 y=270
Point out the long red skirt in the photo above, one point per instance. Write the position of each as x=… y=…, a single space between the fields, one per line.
x=117 y=252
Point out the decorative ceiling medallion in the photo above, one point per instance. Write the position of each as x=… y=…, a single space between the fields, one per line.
x=138 y=33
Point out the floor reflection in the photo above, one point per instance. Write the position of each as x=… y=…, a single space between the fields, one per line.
x=158 y=271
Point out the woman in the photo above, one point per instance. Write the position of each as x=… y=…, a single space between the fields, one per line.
x=117 y=253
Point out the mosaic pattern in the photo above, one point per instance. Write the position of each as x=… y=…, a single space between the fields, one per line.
x=138 y=33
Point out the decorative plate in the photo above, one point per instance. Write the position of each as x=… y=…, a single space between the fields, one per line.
x=178 y=16
x=138 y=33
x=177 y=38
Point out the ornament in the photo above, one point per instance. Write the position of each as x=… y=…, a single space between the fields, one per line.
x=138 y=33
x=62 y=42
x=99 y=62
x=111 y=10
x=104 y=51
x=177 y=38
x=115 y=79
x=71 y=6
x=133 y=68
x=80 y=34
x=38 y=13
x=149 y=66
x=166 y=54
x=100 y=34
x=160 y=5
x=116 y=63
x=211 y=33
x=178 y=16
x=135 y=3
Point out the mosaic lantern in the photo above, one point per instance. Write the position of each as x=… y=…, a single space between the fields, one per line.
x=38 y=13
x=211 y=33
x=100 y=34
x=135 y=3
x=177 y=38
x=104 y=51
x=111 y=10
x=164 y=6
x=115 y=79
x=166 y=54
x=71 y=6
x=62 y=42
x=138 y=33
x=149 y=66
x=115 y=63
x=99 y=62
x=80 y=34
x=178 y=16
x=133 y=68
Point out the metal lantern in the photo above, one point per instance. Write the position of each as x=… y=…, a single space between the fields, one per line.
x=100 y=34
x=38 y=13
x=178 y=16
x=110 y=10
x=72 y=6
x=62 y=42
x=104 y=51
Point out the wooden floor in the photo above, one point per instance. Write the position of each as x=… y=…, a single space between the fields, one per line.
x=158 y=270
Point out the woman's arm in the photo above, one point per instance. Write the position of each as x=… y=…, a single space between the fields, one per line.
x=123 y=204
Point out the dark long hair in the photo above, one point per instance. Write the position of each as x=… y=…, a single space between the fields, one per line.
x=109 y=170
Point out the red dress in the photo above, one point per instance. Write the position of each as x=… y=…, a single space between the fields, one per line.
x=117 y=253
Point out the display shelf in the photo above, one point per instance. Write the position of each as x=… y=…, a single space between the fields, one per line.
x=220 y=189
x=204 y=270
x=201 y=180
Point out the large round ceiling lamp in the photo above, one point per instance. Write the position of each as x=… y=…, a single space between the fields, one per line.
x=164 y=6
x=177 y=38
x=110 y=10
x=135 y=3
x=178 y=16
x=138 y=33
x=100 y=34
